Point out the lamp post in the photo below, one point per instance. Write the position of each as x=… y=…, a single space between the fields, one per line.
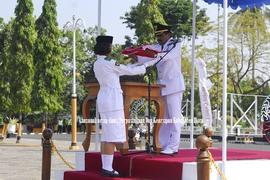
x=73 y=26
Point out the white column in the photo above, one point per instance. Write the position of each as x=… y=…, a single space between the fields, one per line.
x=193 y=73
x=99 y=17
x=256 y=119
x=74 y=60
x=232 y=100
x=224 y=91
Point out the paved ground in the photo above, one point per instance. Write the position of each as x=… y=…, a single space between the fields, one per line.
x=23 y=161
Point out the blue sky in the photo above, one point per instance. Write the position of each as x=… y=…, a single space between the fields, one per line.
x=87 y=10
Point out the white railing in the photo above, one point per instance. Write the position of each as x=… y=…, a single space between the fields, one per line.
x=185 y=108
x=250 y=114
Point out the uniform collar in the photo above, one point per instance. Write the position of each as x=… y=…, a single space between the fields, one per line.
x=165 y=46
x=169 y=40
x=103 y=57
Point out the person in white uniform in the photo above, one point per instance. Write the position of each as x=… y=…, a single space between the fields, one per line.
x=170 y=75
x=110 y=100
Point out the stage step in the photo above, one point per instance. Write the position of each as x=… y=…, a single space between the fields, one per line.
x=88 y=175
x=120 y=163
x=142 y=165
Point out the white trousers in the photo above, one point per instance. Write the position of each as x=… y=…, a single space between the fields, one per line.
x=113 y=126
x=169 y=134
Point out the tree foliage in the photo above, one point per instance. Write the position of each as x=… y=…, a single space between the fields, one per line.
x=2 y=26
x=20 y=69
x=142 y=17
x=177 y=13
x=249 y=52
x=5 y=30
x=48 y=60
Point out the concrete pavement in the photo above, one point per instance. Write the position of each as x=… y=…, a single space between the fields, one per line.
x=24 y=160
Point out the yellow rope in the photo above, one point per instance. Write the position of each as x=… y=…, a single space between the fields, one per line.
x=61 y=157
x=216 y=166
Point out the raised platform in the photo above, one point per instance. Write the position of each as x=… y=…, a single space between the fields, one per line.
x=242 y=164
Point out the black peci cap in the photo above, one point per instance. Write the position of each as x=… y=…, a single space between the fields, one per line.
x=104 y=39
x=160 y=28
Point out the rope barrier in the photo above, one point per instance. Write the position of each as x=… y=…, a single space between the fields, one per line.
x=216 y=166
x=61 y=157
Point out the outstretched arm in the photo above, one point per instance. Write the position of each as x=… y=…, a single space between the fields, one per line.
x=128 y=69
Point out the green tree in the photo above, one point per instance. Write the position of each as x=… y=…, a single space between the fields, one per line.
x=48 y=61
x=176 y=13
x=5 y=30
x=20 y=57
x=2 y=26
x=142 y=17
x=249 y=52
x=179 y=14
x=248 y=56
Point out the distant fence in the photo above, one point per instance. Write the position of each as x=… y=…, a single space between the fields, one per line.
x=243 y=113
x=246 y=109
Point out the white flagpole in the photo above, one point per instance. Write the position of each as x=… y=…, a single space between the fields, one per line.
x=193 y=73
x=97 y=138
x=224 y=91
x=99 y=17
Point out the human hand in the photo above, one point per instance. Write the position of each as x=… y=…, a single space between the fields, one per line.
x=133 y=57
x=150 y=52
x=150 y=63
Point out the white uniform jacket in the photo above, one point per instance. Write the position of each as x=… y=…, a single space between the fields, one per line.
x=107 y=72
x=169 y=68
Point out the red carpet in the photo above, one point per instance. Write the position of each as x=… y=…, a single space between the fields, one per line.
x=90 y=175
x=153 y=166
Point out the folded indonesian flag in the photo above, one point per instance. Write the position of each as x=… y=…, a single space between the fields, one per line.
x=139 y=51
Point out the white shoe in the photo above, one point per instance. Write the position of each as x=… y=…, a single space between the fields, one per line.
x=168 y=151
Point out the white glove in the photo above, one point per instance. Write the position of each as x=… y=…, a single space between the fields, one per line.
x=135 y=64
x=161 y=54
x=151 y=63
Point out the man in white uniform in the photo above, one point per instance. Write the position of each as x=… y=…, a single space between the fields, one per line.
x=170 y=75
x=110 y=100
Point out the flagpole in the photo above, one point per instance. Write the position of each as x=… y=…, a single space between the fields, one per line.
x=192 y=74
x=97 y=138
x=99 y=17
x=224 y=91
